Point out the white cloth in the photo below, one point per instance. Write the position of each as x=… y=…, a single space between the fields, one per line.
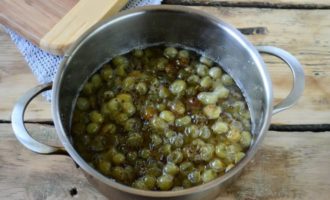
x=44 y=65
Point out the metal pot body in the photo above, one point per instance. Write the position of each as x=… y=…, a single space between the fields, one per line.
x=174 y=25
x=146 y=27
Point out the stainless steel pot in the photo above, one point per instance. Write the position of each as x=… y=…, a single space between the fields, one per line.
x=149 y=26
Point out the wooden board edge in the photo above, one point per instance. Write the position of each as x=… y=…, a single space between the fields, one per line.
x=76 y=22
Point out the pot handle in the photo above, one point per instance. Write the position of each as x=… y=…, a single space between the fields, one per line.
x=17 y=121
x=297 y=72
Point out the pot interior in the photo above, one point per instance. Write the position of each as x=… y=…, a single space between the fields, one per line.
x=147 y=27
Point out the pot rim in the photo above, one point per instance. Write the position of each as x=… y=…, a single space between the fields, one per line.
x=203 y=187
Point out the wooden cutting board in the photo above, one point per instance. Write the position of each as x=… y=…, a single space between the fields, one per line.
x=54 y=25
